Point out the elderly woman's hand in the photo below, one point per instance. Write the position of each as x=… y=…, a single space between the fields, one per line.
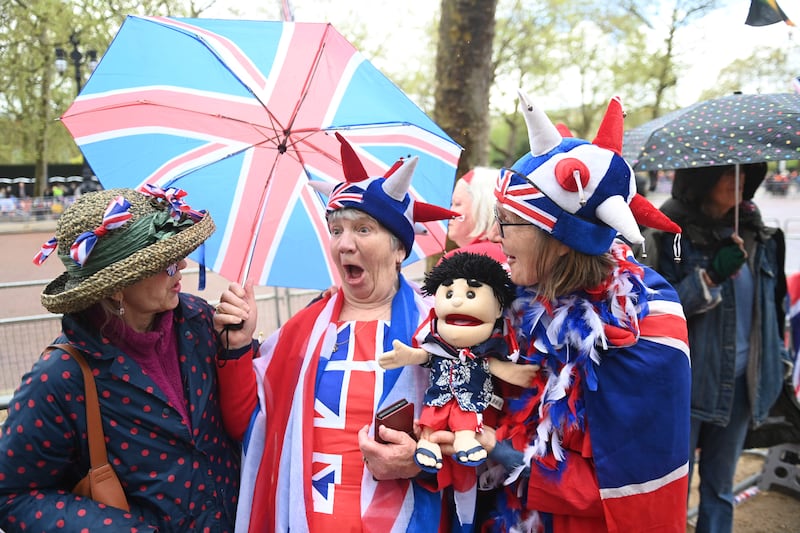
x=394 y=460
x=237 y=306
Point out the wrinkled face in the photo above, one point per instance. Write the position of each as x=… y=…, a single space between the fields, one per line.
x=459 y=229
x=153 y=295
x=366 y=255
x=466 y=311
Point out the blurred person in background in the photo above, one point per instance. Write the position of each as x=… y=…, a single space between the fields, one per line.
x=732 y=287
x=473 y=196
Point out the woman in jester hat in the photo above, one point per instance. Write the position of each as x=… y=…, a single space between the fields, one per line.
x=304 y=407
x=599 y=441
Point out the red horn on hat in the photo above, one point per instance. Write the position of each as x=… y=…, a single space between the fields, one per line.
x=609 y=134
x=351 y=164
x=564 y=130
x=427 y=212
x=648 y=215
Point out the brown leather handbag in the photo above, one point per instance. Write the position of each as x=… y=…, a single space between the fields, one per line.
x=101 y=483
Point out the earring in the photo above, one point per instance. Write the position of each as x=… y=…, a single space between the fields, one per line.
x=121 y=310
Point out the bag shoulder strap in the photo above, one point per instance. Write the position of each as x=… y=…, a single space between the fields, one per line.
x=98 y=455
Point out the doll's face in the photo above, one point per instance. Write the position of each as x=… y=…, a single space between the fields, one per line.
x=466 y=311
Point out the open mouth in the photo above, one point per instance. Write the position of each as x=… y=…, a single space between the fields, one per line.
x=353 y=272
x=462 y=320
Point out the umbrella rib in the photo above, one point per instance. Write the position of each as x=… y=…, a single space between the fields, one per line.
x=307 y=83
x=182 y=117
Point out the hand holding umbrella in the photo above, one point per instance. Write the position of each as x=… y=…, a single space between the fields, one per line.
x=728 y=259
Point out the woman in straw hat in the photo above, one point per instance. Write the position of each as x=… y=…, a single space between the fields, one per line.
x=305 y=408
x=151 y=349
x=598 y=442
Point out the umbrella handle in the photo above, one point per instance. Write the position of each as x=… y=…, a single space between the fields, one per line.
x=233 y=327
x=739 y=199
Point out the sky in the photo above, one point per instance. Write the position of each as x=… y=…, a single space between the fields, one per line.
x=708 y=45
x=723 y=37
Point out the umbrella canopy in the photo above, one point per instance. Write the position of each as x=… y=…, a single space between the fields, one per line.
x=241 y=115
x=738 y=128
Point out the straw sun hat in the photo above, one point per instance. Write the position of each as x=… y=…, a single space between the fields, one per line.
x=124 y=253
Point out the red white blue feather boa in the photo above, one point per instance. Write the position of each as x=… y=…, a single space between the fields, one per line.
x=566 y=334
x=566 y=337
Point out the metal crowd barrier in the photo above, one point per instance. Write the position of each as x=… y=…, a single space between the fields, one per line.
x=22 y=339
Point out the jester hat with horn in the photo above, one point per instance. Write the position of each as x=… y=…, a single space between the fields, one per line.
x=581 y=193
x=384 y=198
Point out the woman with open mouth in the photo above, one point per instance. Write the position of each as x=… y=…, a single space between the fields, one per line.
x=306 y=406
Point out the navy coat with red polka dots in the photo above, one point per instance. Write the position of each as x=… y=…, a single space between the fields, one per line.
x=176 y=478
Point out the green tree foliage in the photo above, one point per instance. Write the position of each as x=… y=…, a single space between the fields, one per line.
x=765 y=70
x=34 y=95
x=572 y=56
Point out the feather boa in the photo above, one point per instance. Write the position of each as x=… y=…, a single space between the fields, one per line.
x=566 y=337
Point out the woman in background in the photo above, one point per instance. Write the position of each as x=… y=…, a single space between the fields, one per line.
x=732 y=287
x=473 y=196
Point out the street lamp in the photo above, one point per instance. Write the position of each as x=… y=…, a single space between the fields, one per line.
x=76 y=56
x=77 y=61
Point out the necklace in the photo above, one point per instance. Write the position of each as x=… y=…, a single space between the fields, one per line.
x=356 y=326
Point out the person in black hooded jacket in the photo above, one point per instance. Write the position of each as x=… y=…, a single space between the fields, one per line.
x=731 y=283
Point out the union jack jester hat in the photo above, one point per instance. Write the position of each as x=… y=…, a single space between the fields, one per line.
x=384 y=198
x=582 y=193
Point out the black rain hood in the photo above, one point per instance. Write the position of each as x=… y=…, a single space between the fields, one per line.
x=691 y=185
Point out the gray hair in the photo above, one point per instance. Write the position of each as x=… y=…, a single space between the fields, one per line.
x=481 y=189
x=351 y=213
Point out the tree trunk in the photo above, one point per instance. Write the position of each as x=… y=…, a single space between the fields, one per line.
x=464 y=75
x=40 y=142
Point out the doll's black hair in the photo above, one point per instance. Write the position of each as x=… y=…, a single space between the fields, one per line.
x=467 y=265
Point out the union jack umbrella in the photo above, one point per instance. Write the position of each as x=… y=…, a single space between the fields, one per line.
x=241 y=114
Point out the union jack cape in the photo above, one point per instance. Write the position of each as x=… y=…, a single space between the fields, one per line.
x=606 y=433
x=793 y=286
x=276 y=462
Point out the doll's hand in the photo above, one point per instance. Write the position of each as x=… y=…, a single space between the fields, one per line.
x=401 y=355
x=516 y=374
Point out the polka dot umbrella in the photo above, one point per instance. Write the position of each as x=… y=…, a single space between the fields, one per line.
x=738 y=128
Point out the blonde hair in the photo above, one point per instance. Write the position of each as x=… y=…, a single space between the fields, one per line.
x=560 y=275
x=481 y=188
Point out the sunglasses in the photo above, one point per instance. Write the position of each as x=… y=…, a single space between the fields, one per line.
x=172 y=269
x=501 y=224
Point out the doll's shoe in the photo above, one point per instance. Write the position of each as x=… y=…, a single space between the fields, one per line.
x=428 y=453
x=462 y=457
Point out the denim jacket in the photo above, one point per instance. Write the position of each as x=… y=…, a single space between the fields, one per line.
x=711 y=319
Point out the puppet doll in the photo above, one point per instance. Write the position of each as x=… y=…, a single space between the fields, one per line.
x=464 y=341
